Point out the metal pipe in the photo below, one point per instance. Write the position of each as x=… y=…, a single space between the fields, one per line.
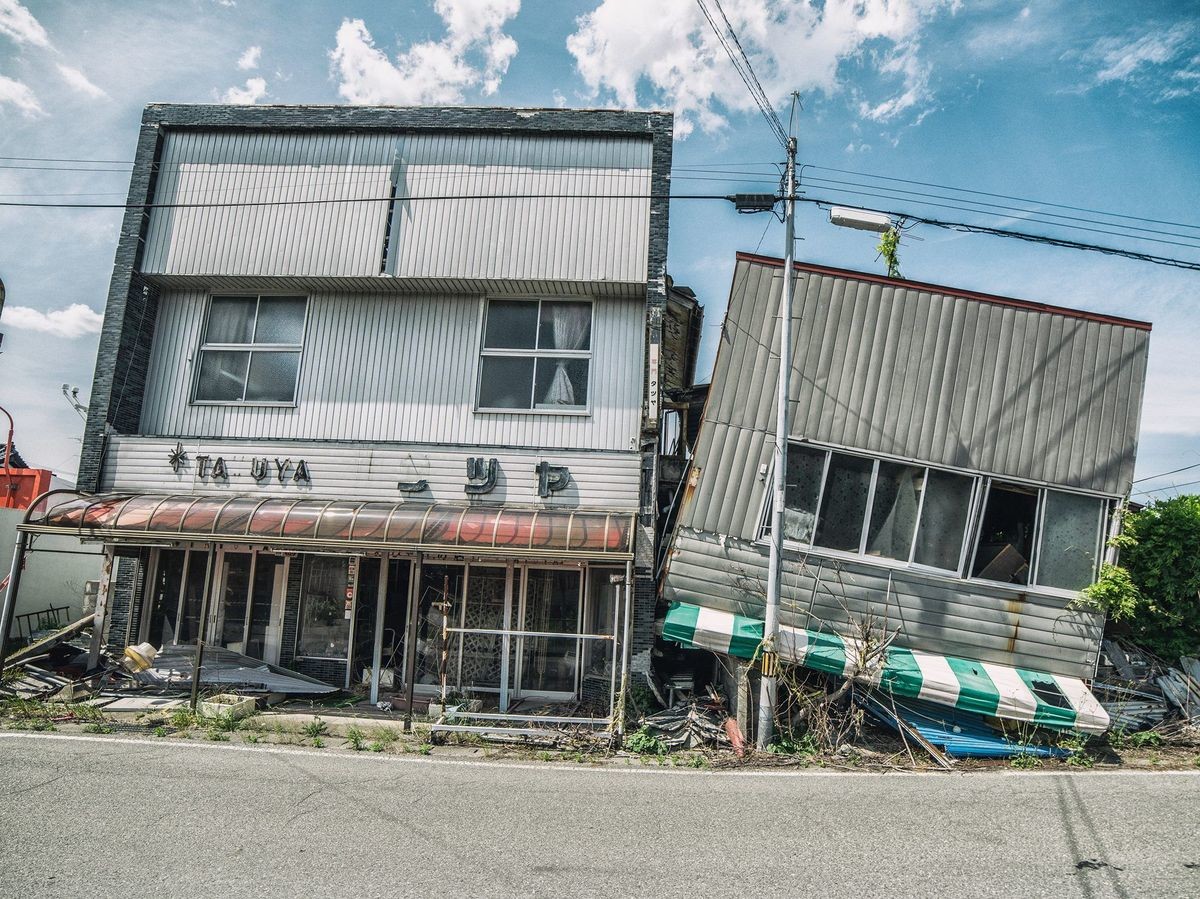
x=10 y=595
x=410 y=641
x=10 y=496
x=768 y=688
x=619 y=722
x=198 y=657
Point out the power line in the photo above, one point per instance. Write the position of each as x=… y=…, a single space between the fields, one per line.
x=984 y=193
x=331 y=201
x=1171 y=487
x=1154 y=477
x=745 y=70
x=1021 y=235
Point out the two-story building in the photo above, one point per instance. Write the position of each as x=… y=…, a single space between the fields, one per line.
x=955 y=461
x=378 y=391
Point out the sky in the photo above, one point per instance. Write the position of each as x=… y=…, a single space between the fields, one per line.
x=906 y=105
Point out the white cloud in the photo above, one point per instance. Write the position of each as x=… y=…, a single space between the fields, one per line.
x=475 y=53
x=20 y=96
x=249 y=59
x=80 y=82
x=1121 y=58
x=19 y=24
x=792 y=45
x=255 y=90
x=74 y=321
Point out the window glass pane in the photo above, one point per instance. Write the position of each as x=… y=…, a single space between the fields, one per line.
x=803 y=488
x=440 y=593
x=552 y=601
x=324 y=630
x=280 y=320
x=1005 y=549
x=272 y=377
x=845 y=503
x=193 y=597
x=234 y=593
x=230 y=320
x=943 y=520
x=561 y=382
x=481 y=653
x=565 y=326
x=894 y=510
x=164 y=606
x=511 y=324
x=222 y=375
x=1070 y=536
x=505 y=382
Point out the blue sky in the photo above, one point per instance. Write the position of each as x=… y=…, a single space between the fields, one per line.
x=1087 y=105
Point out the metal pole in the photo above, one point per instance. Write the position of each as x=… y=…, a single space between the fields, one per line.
x=10 y=596
x=619 y=724
x=768 y=688
x=410 y=641
x=198 y=657
x=380 y=612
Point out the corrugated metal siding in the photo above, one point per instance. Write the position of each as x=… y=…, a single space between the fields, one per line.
x=595 y=234
x=937 y=378
x=935 y=615
x=933 y=377
x=396 y=368
x=371 y=471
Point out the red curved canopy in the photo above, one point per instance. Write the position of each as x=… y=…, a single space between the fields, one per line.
x=341 y=524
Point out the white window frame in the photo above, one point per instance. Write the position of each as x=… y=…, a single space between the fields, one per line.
x=535 y=353
x=250 y=349
x=977 y=503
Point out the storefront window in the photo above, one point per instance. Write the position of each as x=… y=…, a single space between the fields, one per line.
x=324 y=630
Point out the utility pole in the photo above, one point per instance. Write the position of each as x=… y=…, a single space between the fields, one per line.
x=768 y=688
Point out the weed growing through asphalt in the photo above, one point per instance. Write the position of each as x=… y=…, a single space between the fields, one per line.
x=376 y=746
x=218 y=736
x=425 y=748
x=183 y=719
x=318 y=743
x=315 y=728
x=356 y=738
x=1077 y=746
x=160 y=731
x=251 y=737
x=1145 y=739
x=385 y=736
x=95 y=728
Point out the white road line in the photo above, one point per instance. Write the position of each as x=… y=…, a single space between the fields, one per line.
x=577 y=768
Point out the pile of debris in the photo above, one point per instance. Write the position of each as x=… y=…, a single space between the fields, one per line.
x=1140 y=691
x=69 y=665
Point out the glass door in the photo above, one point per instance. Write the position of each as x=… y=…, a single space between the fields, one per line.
x=264 y=622
x=234 y=600
x=548 y=665
x=480 y=656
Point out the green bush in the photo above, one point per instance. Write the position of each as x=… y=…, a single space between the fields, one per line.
x=1156 y=589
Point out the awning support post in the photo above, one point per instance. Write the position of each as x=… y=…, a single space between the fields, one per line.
x=410 y=642
x=103 y=599
x=619 y=723
x=380 y=601
x=10 y=595
x=198 y=658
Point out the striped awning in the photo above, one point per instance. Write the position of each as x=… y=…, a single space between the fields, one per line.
x=1049 y=700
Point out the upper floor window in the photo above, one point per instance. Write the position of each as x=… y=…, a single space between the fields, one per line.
x=251 y=350
x=921 y=516
x=536 y=355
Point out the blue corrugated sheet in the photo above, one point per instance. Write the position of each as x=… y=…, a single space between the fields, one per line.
x=960 y=734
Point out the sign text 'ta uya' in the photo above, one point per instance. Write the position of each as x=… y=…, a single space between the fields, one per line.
x=260 y=467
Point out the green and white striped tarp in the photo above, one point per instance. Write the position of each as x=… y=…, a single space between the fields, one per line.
x=999 y=691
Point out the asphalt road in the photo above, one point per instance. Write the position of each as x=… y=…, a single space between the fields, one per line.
x=103 y=816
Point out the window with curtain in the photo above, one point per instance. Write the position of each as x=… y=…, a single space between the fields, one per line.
x=536 y=355
x=251 y=349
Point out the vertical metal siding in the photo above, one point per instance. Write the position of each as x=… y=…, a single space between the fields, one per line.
x=598 y=232
x=389 y=367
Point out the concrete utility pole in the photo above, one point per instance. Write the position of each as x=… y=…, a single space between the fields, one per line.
x=768 y=688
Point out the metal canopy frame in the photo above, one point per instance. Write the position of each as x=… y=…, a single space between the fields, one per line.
x=349 y=526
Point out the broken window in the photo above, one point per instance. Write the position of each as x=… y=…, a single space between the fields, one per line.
x=1070 y=543
x=945 y=507
x=536 y=355
x=251 y=350
x=891 y=510
x=324 y=630
x=1005 y=549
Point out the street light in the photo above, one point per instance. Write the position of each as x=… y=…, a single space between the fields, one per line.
x=860 y=219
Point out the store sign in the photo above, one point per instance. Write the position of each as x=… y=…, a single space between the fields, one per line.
x=260 y=468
